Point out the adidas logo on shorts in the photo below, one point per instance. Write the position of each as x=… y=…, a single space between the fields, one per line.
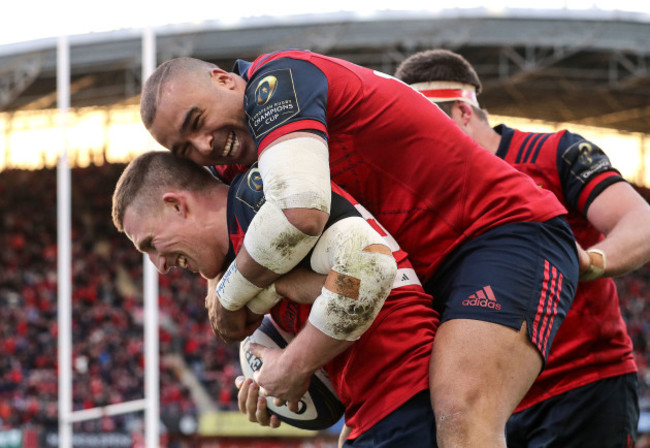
x=484 y=297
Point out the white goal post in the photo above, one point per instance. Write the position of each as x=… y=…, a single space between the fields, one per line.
x=150 y=404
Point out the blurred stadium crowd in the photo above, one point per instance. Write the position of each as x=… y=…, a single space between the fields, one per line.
x=107 y=312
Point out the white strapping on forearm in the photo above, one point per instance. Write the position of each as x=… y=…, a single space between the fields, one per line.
x=296 y=174
x=341 y=250
x=273 y=242
x=234 y=290
x=265 y=300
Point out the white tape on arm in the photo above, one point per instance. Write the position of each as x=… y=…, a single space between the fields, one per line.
x=296 y=174
x=273 y=242
x=597 y=266
x=361 y=275
x=234 y=290
x=265 y=300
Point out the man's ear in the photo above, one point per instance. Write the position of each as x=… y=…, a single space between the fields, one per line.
x=177 y=202
x=222 y=78
x=466 y=111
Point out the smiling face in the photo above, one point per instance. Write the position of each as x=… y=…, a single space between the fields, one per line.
x=171 y=237
x=200 y=116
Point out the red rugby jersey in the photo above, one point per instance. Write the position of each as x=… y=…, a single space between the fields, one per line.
x=389 y=364
x=592 y=342
x=428 y=183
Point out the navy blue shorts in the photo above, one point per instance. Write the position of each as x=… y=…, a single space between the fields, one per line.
x=514 y=273
x=603 y=414
x=412 y=425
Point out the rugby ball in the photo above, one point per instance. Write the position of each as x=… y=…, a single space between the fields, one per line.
x=319 y=408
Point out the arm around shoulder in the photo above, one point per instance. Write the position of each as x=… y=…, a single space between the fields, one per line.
x=297 y=191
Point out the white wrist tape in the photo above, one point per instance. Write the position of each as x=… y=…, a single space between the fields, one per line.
x=361 y=273
x=273 y=242
x=234 y=290
x=296 y=174
x=596 y=268
x=265 y=300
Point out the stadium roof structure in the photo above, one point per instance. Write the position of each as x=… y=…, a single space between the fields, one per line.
x=590 y=67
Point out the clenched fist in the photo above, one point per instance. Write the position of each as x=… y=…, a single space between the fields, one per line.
x=230 y=326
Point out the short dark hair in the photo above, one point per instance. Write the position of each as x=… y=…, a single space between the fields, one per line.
x=167 y=71
x=441 y=65
x=438 y=65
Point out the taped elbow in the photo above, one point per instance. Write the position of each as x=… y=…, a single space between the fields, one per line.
x=360 y=271
x=273 y=242
x=350 y=301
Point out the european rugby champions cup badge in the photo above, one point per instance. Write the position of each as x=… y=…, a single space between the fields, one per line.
x=272 y=102
x=254 y=179
x=265 y=90
x=251 y=191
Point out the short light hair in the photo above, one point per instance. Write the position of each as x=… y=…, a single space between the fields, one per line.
x=146 y=177
x=167 y=71
x=440 y=65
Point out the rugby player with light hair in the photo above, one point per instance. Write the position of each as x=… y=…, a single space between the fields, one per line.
x=374 y=339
